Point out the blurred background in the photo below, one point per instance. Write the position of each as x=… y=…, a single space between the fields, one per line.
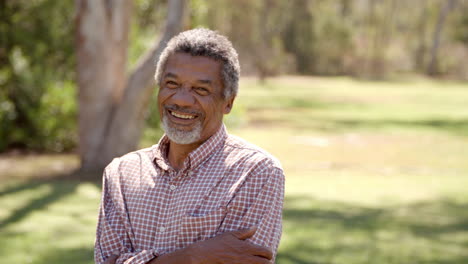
x=365 y=103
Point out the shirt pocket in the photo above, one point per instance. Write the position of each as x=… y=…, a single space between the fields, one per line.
x=195 y=228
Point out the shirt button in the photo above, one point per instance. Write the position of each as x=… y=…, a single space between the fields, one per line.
x=172 y=187
x=162 y=229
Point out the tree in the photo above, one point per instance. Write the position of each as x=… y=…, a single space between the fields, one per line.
x=111 y=103
x=299 y=37
x=432 y=68
x=421 y=31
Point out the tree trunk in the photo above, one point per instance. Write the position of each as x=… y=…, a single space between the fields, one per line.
x=420 y=53
x=128 y=121
x=101 y=42
x=111 y=106
x=262 y=61
x=433 y=67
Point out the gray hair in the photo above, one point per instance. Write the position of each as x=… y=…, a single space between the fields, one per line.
x=207 y=43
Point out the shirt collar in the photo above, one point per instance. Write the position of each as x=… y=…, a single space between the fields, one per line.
x=196 y=157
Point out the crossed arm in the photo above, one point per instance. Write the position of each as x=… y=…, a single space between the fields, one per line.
x=230 y=247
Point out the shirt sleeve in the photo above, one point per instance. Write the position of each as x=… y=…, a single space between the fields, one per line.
x=112 y=234
x=259 y=202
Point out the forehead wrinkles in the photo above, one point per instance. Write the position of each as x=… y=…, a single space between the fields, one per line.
x=193 y=68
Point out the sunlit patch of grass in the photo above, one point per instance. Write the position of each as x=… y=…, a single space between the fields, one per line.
x=343 y=104
x=48 y=222
x=380 y=153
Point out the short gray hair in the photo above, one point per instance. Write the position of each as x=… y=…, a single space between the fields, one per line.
x=207 y=43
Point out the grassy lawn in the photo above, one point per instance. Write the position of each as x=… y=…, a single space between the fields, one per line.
x=377 y=172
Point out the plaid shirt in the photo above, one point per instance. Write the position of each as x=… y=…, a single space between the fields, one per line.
x=149 y=209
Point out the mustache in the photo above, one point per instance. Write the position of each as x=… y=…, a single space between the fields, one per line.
x=180 y=109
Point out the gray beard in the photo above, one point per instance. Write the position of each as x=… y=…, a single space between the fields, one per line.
x=180 y=136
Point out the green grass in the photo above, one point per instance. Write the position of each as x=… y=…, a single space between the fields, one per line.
x=48 y=222
x=376 y=172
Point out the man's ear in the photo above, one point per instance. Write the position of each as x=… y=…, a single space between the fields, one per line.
x=228 y=105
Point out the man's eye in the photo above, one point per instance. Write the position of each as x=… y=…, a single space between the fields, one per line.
x=171 y=84
x=202 y=91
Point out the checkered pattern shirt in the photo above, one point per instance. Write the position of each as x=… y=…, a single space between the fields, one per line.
x=149 y=209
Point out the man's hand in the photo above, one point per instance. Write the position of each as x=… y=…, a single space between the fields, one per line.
x=227 y=248
x=111 y=259
x=231 y=247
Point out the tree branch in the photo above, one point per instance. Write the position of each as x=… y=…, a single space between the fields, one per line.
x=142 y=77
x=128 y=119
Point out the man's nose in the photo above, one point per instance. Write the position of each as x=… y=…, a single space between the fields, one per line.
x=183 y=96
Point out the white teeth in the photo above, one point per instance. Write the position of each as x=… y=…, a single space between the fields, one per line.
x=182 y=116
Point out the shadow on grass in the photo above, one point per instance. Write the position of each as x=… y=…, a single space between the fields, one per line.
x=299 y=102
x=320 y=231
x=61 y=185
x=331 y=232
x=294 y=103
x=455 y=126
x=41 y=194
x=58 y=191
x=73 y=255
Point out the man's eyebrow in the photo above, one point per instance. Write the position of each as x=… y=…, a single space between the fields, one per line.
x=205 y=81
x=173 y=75
x=170 y=75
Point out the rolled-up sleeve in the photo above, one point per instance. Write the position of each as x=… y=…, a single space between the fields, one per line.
x=261 y=200
x=112 y=234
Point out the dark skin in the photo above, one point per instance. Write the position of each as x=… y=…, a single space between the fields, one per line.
x=194 y=84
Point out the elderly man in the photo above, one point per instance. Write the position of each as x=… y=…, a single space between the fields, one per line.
x=200 y=195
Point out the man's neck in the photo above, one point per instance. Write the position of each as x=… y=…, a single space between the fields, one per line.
x=178 y=153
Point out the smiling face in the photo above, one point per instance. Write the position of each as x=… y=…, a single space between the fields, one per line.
x=190 y=98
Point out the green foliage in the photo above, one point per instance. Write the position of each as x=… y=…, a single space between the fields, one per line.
x=59 y=132
x=147 y=23
x=299 y=37
x=254 y=27
x=150 y=14
x=323 y=37
x=37 y=55
x=152 y=116
x=461 y=31
x=372 y=39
